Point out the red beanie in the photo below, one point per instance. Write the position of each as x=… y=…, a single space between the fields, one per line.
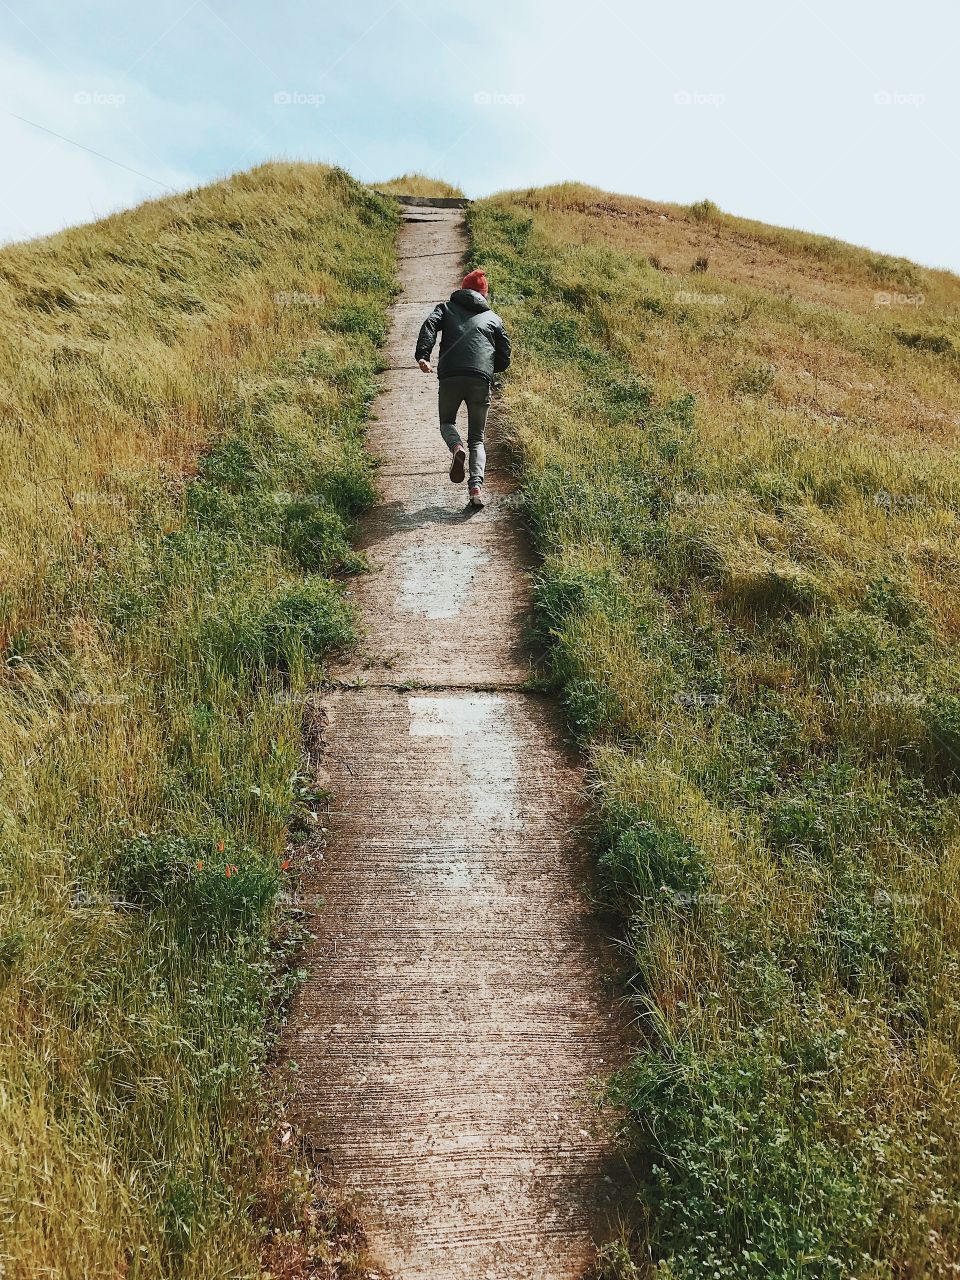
x=476 y=280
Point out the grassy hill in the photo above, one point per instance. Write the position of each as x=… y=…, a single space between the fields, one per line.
x=183 y=389
x=738 y=449
x=739 y=453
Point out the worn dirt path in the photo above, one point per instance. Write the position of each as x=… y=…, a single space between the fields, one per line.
x=454 y=1021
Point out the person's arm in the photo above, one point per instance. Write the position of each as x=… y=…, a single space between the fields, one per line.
x=501 y=349
x=428 y=337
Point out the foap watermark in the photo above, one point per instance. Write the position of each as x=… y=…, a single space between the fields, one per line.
x=691 y=700
x=515 y=501
x=83 y=899
x=286 y=698
x=884 y=299
x=897 y=98
x=282 y=498
x=898 y=698
x=297 y=298
x=696 y=501
x=897 y=501
x=883 y=898
x=298 y=98
x=696 y=98
x=700 y=898
x=97 y=498
x=98 y=98
x=84 y=298
x=493 y=98
x=100 y=699
x=690 y=297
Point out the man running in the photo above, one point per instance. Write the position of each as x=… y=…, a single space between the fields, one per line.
x=473 y=347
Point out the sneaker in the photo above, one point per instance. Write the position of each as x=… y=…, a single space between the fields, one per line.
x=476 y=496
x=458 y=466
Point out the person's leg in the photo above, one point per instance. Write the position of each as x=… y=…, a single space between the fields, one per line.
x=478 y=405
x=449 y=401
x=450 y=398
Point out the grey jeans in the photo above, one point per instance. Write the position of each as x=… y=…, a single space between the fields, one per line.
x=475 y=392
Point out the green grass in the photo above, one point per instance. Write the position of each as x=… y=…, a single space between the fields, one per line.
x=745 y=492
x=738 y=451
x=184 y=391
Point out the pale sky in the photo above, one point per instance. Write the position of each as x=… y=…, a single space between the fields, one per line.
x=838 y=116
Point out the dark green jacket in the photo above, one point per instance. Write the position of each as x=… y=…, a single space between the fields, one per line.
x=473 y=341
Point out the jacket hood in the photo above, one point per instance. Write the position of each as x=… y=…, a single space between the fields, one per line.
x=470 y=300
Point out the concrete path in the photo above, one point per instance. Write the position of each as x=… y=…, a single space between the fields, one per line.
x=454 y=1022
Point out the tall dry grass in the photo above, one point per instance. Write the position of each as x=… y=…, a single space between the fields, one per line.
x=739 y=454
x=183 y=390
x=417 y=184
